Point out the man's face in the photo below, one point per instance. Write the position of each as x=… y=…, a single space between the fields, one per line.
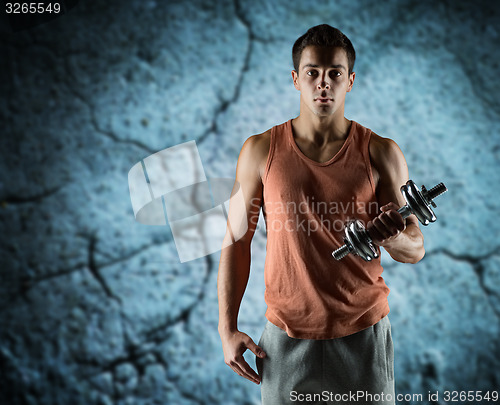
x=323 y=79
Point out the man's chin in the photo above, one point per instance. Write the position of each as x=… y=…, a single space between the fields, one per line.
x=324 y=112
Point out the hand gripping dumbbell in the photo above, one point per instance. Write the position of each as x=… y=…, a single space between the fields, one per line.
x=358 y=241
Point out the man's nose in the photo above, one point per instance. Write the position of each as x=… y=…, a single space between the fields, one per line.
x=323 y=85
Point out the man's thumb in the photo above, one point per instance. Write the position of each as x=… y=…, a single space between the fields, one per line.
x=257 y=350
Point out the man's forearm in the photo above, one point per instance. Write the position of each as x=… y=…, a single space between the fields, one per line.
x=234 y=269
x=408 y=246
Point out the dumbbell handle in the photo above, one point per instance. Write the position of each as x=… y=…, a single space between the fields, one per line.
x=405 y=211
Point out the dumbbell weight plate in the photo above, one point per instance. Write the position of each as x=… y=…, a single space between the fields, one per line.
x=417 y=203
x=358 y=237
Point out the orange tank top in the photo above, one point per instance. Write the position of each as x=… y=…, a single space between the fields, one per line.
x=306 y=205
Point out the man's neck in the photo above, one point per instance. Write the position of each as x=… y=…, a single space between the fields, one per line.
x=321 y=130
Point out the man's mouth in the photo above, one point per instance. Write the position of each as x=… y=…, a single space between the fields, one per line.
x=323 y=100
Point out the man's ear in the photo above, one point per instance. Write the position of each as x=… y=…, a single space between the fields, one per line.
x=351 y=81
x=295 y=78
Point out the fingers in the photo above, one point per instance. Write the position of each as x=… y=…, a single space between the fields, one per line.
x=248 y=372
x=242 y=368
x=393 y=222
x=389 y=206
x=237 y=362
x=256 y=349
x=375 y=234
x=387 y=225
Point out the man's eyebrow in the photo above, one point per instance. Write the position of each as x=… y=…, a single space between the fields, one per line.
x=332 y=66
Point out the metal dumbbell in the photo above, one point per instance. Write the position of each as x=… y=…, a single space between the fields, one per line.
x=358 y=241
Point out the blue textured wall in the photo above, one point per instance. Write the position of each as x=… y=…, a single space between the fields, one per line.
x=96 y=308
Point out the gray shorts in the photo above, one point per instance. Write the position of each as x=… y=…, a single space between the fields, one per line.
x=355 y=369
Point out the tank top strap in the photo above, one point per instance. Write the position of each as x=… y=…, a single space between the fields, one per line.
x=278 y=141
x=362 y=137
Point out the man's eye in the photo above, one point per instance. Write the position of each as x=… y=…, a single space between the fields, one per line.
x=311 y=72
x=335 y=73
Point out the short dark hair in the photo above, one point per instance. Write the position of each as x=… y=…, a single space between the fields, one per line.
x=323 y=35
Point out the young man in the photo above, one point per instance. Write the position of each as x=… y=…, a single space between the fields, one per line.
x=328 y=335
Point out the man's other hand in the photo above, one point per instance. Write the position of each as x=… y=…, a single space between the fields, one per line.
x=234 y=345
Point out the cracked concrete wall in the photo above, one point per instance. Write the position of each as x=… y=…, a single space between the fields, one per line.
x=96 y=308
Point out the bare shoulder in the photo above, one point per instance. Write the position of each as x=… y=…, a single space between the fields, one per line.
x=385 y=153
x=259 y=143
x=255 y=151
